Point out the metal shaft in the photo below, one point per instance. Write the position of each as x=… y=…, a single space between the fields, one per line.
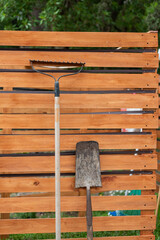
x=57 y=168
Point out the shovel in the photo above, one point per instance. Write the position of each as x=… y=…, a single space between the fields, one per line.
x=88 y=175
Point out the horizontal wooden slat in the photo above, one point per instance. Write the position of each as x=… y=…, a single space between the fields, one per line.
x=68 y=142
x=91 y=59
x=77 y=203
x=45 y=121
x=148 y=237
x=45 y=164
x=77 y=224
x=80 y=81
x=78 y=39
x=109 y=182
x=84 y=101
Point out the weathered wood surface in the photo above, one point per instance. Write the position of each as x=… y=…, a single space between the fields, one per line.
x=40 y=121
x=77 y=203
x=46 y=164
x=68 y=142
x=77 y=224
x=78 y=39
x=81 y=81
x=109 y=183
x=91 y=59
x=84 y=101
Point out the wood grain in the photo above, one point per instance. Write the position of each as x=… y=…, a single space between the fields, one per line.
x=78 y=39
x=77 y=224
x=109 y=182
x=74 y=121
x=45 y=164
x=68 y=142
x=77 y=203
x=91 y=59
x=83 y=101
x=82 y=81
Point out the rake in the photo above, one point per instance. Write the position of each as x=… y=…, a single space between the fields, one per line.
x=38 y=66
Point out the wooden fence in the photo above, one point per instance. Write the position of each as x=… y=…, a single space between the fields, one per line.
x=121 y=72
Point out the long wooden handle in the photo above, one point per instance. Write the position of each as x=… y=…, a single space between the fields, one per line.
x=57 y=169
x=89 y=215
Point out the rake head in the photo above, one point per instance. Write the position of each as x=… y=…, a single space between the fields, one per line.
x=56 y=65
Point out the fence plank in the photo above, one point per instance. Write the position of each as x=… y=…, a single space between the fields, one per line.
x=91 y=59
x=80 y=81
x=109 y=182
x=68 y=142
x=78 y=39
x=83 y=101
x=148 y=237
x=77 y=203
x=77 y=224
x=46 y=164
x=40 y=121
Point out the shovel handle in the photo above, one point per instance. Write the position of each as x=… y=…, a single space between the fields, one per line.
x=89 y=215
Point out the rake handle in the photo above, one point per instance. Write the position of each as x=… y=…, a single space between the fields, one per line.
x=57 y=162
x=89 y=215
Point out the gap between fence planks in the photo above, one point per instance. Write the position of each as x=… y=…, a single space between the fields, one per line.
x=77 y=224
x=75 y=121
x=68 y=142
x=78 y=39
x=80 y=82
x=77 y=203
x=63 y=110
x=46 y=164
x=35 y=100
x=109 y=183
x=66 y=131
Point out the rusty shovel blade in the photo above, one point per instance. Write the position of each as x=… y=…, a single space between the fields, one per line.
x=88 y=172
